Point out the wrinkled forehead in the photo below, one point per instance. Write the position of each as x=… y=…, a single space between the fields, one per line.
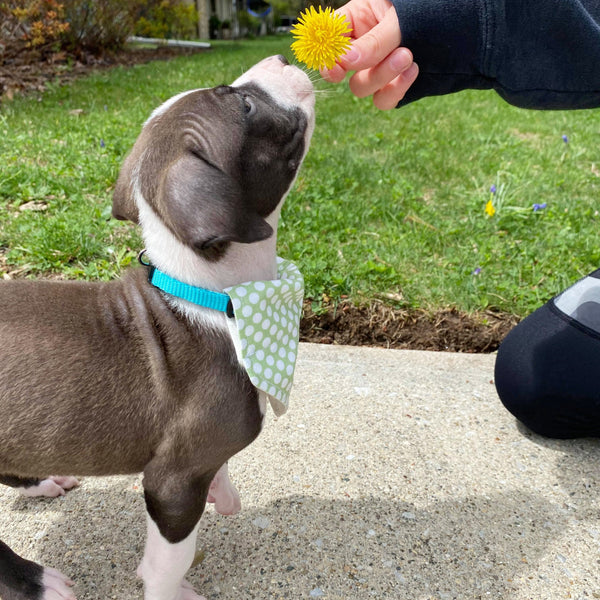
x=256 y=91
x=159 y=110
x=245 y=86
x=271 y=84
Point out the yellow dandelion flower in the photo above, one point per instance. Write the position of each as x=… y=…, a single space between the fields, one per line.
x=489 y=209
x=320 y=38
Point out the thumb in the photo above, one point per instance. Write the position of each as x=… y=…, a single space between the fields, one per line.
x=372 y=47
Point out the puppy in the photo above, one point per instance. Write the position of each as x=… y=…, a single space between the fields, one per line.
x=121 y=377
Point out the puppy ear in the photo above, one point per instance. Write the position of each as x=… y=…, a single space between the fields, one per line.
x=205 y=207
x=124 y=207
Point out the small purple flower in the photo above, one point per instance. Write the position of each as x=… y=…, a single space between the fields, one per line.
x=537 y=206
x=493 y=189
x=102 y=144
x=476 y=271
x=565 y=139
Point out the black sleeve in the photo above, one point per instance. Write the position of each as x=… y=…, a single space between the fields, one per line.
x=542 y=54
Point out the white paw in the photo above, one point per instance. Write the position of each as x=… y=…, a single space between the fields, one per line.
x=51 y=487
x=56 y=586
x=223 y=494
x=226 y=504
x=65 y=482
x=186 y=592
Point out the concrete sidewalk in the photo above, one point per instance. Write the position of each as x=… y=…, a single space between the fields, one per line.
x=395 y=474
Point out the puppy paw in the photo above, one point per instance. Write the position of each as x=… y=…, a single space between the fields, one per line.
x=187 y=592
x=226 y=503
x=65 y=482
x=56 y=586
x=223 y=495
x=50 y=487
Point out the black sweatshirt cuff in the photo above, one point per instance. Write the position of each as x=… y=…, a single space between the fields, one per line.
x=451 y=41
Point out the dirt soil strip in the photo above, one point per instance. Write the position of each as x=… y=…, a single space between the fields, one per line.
x=29 y=73
x=384 y=326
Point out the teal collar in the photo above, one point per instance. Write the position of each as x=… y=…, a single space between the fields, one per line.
x=190 y=293
x=267 y=318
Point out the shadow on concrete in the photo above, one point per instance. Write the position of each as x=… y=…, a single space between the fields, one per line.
x=299 y=546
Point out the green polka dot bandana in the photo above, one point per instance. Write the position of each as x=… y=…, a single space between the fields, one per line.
x=267 y=315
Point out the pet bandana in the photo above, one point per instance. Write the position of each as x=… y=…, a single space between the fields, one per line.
x=267 y=315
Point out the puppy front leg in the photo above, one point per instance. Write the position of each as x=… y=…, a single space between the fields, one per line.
x=22 y=579
x=165 y=564
x=175 y=502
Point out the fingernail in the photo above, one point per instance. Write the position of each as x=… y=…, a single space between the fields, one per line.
x=352 y=55
x=401 y=60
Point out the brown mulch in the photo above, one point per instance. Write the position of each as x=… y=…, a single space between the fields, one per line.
x=374 y=325
x=27 y=73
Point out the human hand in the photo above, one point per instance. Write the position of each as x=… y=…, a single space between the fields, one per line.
x=382 y=68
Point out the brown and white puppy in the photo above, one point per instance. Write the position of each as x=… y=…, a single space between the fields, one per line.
x=112 y=378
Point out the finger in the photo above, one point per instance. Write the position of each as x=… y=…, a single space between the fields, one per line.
x=363 y=15
x=371 y=48
x=361 y=20
x=368 y=81
x=334 y=75
x=389 y=96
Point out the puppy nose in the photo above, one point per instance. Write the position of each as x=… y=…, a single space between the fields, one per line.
x=283 y=59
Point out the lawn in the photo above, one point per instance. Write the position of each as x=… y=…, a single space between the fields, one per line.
x=388 y=206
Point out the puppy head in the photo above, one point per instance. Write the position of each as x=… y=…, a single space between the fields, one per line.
x=213 y=163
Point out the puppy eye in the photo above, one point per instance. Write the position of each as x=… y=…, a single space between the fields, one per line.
x=249 y=106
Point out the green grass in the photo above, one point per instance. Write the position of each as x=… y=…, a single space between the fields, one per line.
x=387 y=205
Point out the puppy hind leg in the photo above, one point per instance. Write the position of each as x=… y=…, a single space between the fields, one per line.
x=51 y=487
x=22 y=579
x=223 y=493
